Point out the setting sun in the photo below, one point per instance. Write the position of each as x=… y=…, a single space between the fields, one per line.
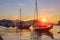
x=43 y=20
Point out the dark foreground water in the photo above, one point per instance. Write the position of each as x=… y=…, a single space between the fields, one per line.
x=10 y=34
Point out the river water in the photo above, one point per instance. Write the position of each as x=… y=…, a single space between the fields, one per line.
x=10 y=34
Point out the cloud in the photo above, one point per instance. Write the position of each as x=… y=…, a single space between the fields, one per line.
x=48 y=12
x=20 y=4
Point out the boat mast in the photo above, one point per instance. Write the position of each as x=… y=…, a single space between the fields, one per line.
x=36 y=9
x=20 y=23
x=20 y=15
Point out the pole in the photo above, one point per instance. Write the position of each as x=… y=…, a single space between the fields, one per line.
x=35 y=16
x=20 y=13
x=36 y=9
x=20 y=24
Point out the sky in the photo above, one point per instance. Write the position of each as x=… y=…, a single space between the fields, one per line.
x=49 y=9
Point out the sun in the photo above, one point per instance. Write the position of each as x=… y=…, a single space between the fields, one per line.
x=43 y=20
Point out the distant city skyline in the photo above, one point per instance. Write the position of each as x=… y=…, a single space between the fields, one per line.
x=49 y=9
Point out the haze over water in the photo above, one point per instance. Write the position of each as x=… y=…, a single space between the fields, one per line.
x=10 y=34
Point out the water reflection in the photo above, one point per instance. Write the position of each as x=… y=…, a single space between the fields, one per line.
x=10 y=34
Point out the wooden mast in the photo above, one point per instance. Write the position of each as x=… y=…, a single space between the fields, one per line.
x=36 y=10
x=20 y=23
x=20 y=15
